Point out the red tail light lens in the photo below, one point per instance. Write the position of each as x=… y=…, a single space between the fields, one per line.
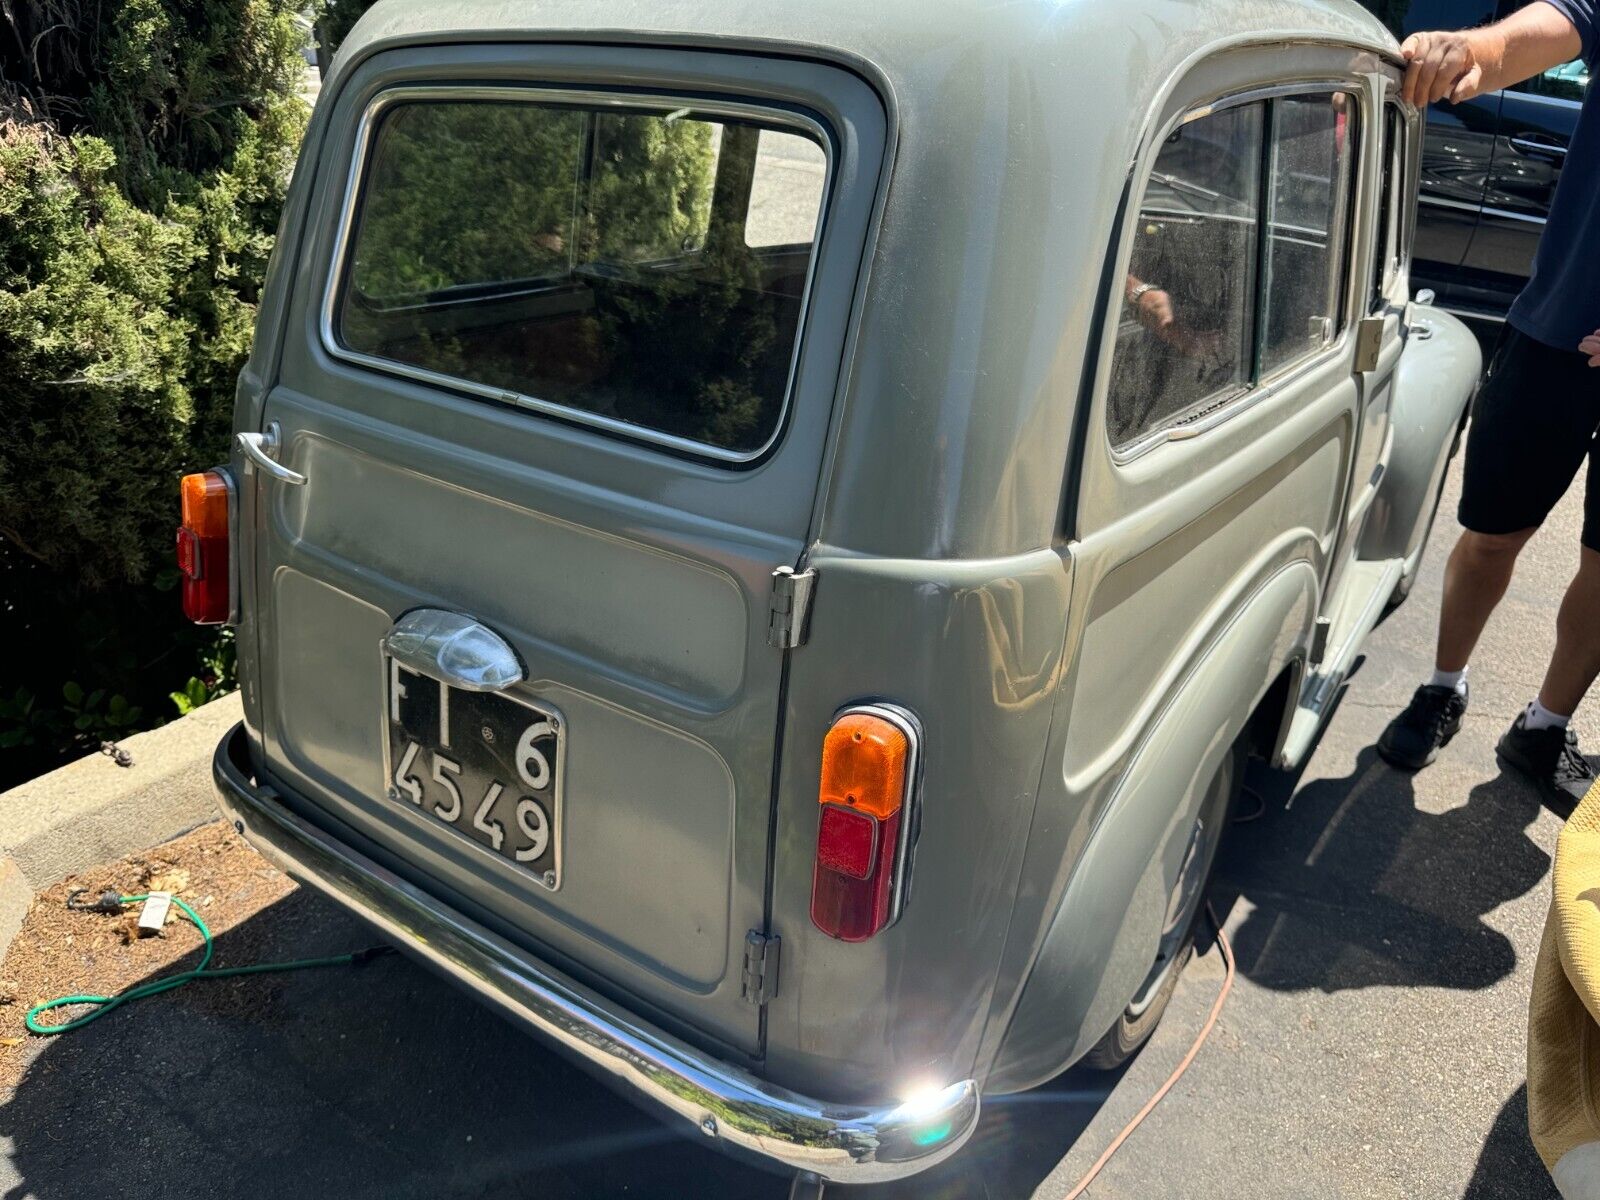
x=868 y=770
x=203 y=550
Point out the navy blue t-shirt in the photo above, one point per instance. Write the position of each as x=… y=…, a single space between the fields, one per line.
x=1561 y=303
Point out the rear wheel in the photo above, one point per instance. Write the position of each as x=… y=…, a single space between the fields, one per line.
x=1144 y=1012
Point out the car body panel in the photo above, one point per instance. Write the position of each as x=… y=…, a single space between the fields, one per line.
x=1521 y=184
x=643 y=623
x=1442 y=359
x=1458 y=148
x=1096 y=948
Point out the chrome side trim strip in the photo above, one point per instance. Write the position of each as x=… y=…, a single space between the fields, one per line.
x=739 y=1112
x=1484 y=209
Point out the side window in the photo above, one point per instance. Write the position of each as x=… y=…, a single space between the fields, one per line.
x=588 y=259
x=1239 y=256
x=1569 y=81
x=1186 y=335
x=1311 y=151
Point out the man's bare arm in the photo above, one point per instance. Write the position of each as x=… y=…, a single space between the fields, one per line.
x=1465 y=63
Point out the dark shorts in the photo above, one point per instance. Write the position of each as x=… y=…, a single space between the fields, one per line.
x=1533 y=426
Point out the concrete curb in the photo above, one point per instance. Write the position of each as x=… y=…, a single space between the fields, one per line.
x=92 y=811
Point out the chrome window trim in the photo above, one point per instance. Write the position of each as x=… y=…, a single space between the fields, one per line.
x=1228 y=402
x=1543 y=97
x=667 y=102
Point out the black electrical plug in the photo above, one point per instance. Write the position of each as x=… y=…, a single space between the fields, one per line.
x=108 y=902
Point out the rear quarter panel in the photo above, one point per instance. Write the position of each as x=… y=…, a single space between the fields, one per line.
x=974 y=649
x=1096 y=948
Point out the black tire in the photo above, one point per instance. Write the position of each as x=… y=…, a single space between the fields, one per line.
x=1139 y=1019
x=1124 y=1039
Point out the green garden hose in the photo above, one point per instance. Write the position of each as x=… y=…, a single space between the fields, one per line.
x=105 y=1004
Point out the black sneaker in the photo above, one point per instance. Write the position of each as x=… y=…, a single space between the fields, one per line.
x=1549 y=757
x=1414 y=738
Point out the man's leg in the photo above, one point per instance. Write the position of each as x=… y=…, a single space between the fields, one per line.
x=1576 y=662
x=1532 y=428
x=1539 y=743
x=1475 y=580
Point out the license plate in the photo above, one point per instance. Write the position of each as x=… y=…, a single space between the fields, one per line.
x=486 y=764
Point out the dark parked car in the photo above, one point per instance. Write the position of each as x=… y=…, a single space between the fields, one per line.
x=1489 y=168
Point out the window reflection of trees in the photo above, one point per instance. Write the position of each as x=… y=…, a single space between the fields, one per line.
x=589 y=259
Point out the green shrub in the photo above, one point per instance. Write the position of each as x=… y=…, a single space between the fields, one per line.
x=145 y=146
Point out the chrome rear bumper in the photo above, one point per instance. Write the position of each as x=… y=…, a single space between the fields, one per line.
x=726 y=1104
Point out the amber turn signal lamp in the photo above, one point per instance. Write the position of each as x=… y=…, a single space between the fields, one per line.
x=203 y=549
x=868 y=771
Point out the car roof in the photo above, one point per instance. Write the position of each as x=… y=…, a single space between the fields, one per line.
x=904 y=42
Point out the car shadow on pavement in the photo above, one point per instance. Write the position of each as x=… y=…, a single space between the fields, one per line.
x=357 y=1082
x=1352 y=884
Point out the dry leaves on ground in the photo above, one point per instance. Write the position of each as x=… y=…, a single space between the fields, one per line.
x=60 y=951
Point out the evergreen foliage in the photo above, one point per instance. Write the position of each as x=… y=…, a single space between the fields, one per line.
x=145 y=146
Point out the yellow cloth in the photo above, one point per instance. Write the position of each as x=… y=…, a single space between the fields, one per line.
x=1564 y=1017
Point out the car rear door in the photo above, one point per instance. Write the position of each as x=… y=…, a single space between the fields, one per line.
x=1457 y=147
x=557 y=371
x=1383 y=332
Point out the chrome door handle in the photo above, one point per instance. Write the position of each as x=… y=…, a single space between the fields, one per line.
x=1529 y=146
x=259 y=449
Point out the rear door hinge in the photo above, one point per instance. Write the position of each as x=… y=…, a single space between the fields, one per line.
x=789 y=609
x=760 y=978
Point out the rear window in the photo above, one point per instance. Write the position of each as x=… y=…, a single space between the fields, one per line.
x=643 y=269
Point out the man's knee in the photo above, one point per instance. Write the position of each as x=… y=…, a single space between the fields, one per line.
x=1493 y=547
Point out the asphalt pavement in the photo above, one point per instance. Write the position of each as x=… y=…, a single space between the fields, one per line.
x=1385 y=927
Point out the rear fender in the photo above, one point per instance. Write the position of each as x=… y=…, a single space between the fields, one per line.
x=1434 y=382
x=1105 y=931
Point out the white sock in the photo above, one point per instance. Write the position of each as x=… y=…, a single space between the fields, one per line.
x=1540 y=717
x=1450 y=679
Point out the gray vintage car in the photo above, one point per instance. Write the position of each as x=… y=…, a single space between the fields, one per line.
x=762 y=535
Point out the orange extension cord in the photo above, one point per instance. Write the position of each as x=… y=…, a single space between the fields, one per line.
x=1200 y=1040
